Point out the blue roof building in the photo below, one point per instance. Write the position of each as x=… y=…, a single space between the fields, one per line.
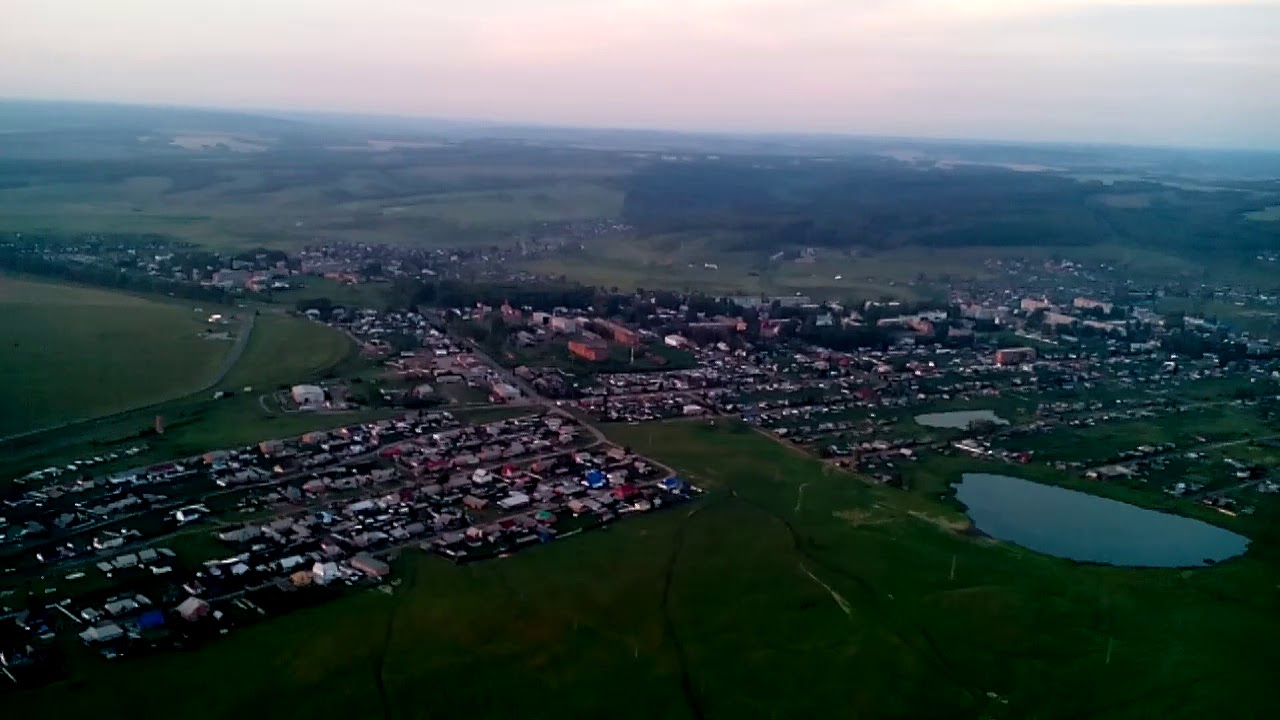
x=150 y=620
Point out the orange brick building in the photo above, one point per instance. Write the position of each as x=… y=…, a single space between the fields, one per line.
x=592 y=351
x=620 y=333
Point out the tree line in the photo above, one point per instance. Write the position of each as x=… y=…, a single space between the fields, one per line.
x=24 y=261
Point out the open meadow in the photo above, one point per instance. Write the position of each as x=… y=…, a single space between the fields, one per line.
x=286 y=351
x=788 y=590
x=699 y=262
x=68 y=353
x=281 y=351
x=285 y=197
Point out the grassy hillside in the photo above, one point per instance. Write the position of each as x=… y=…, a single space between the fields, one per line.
x=785 y=592
x=70 y=352
x=287 y=350
x=281 y=350
x=283 y=192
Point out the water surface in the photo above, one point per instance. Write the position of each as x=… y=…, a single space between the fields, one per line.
x=1078 y=526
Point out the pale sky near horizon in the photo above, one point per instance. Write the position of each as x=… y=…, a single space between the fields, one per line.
x=1174 y=72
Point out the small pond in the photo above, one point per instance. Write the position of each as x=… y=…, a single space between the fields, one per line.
x=1086 y=528
x=959 y=419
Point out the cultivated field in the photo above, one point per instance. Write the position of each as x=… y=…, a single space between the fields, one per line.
x=68 y=353
x=786 y=592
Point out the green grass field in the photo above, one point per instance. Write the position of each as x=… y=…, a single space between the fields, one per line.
x=507 y=209
x=281 y=351
x=680 y=261
x=287 y=350
x=72 y=352
x=235 y=200
x=786 y=592
x=1214 y=424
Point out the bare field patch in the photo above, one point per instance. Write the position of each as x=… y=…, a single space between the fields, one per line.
x=389 y=145
x=862 y=518
x=950 y=524
x=1270 y=213
x=215 y=141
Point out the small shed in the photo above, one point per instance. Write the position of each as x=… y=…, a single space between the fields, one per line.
x=193 y=608
x=369 y=565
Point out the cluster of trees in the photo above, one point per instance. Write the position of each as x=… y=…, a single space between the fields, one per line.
x=1195 y=345
x=542 y=297
x=322 y=305
x=840 y=338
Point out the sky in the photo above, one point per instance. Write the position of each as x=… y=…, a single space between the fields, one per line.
x=1165 y=72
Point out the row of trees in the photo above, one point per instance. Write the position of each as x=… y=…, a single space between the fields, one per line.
x=24 y=261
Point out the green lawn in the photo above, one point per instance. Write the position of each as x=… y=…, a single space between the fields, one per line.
x=71 y=352
x=785 y=592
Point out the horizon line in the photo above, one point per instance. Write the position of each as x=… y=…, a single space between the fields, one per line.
x=478 y=123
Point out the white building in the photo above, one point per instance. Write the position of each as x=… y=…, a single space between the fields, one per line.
x=562 y=324
x=513 y=501
x=324 y=573
x=307 y=395
x=105 y=632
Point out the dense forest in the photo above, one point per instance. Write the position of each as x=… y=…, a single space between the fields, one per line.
x=879 y=203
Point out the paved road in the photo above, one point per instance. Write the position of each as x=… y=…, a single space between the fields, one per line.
x=233 y=357
x=229 y=362
x=533 y=397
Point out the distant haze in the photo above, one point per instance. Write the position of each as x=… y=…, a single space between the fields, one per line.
x=1175 y=72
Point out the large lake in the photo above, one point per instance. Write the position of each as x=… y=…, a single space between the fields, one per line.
x=959 y=419
x=1087 y=528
